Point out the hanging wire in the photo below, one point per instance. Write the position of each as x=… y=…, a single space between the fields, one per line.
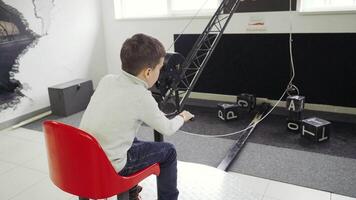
x=292 y=89
x=259 y=119
x=188 y=24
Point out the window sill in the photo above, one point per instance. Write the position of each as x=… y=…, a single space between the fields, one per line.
x=167 y=17
x=328 y=12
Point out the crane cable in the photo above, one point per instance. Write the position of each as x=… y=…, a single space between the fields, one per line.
x=290 y=87
x=187 y=25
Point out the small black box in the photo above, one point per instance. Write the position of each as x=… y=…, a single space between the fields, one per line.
x=70 y=97
x=227 y=111
x=294 y=121
x=246 y=101
x=294 y=125
x=295 y=116
x=316 y=129
x=295 y=103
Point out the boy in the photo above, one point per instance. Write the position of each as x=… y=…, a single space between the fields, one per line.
x=119 y=106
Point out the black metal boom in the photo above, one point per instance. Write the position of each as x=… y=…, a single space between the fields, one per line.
x=201 y=52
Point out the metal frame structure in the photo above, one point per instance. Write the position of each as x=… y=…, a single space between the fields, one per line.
x=200 y=54
x=193 y=67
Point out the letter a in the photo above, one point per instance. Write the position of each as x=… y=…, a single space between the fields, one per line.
x=291 y=106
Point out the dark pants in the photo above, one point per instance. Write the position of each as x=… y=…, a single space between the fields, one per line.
x=143 y=154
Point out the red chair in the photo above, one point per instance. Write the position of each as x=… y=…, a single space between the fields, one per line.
x=78 y=165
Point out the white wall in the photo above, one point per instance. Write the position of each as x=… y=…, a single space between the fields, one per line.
x=74 y=48
x=116 y=31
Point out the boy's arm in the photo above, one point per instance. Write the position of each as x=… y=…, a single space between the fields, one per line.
x=155 y=118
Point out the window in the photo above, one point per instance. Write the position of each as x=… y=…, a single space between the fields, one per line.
x=163 y=8
x=189 y=5
x=326 y=5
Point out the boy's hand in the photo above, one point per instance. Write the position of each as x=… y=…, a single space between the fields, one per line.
x=186 y=115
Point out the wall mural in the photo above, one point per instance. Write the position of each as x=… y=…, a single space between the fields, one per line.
x=15 y=40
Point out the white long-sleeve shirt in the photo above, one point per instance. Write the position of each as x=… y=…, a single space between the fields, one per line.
x=117 y=109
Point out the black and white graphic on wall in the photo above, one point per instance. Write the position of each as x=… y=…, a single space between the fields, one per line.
x=15 y=40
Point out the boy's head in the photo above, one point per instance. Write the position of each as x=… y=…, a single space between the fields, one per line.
x=143 y=56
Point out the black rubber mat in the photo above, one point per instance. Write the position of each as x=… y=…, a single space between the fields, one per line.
x=272 y=131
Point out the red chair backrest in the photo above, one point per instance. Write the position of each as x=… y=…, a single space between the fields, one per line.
x=78 y=164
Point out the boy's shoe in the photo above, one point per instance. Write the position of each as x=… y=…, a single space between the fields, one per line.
x=134 y=193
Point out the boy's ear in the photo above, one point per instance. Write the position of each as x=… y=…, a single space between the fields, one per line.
x=148 y=71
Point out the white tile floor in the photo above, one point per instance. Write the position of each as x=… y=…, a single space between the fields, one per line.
x=24 y=175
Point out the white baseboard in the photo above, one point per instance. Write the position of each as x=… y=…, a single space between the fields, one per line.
x=17 y=120
x=308 y=106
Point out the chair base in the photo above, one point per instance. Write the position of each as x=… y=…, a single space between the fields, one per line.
x=122 y=196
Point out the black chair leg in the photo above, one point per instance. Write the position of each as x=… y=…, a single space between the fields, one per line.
x=83 y=198
x=123 y=196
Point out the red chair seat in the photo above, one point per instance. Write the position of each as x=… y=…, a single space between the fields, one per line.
x=78 y=165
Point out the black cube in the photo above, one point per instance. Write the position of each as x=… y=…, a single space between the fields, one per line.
x=294 y=121
x=296 y=116
x=227 y=112
x=246 y=101
x=293 y=125
x=316 y=129
x=295 y=103
x=70 y=97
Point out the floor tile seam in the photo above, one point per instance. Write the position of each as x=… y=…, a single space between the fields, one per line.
x=265 y=191
x=28 y=168
x=302 y=187
x=13 y=167
x=10 y=162
x=34 y=169
x=27 y=188
x=38 y=154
